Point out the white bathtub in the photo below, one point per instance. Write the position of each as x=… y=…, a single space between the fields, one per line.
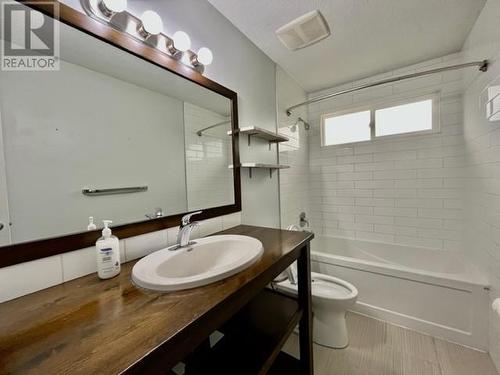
x=431 y=291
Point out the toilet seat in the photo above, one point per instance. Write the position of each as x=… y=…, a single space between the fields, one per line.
x=330 y=287
x=324 y=286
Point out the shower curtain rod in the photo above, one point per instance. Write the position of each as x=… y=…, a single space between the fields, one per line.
x=483 y=67
x=200 y=132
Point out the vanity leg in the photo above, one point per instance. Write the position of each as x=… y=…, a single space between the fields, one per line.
x=305 y=324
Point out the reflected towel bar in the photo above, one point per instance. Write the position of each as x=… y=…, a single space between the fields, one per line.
x=111 y=191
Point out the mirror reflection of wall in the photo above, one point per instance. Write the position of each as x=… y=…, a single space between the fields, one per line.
x=106 y=119
x=208 y=156
x=79 y=128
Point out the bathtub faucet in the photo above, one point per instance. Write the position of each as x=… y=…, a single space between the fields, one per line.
x=291 y=276
x=303 y=221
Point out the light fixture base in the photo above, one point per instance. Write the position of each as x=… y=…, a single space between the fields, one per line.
x=193 y=59
x=142 y=31
x=174 y=52
x=102 y=7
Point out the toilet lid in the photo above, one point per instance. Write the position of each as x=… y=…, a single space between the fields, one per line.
x=329 y=289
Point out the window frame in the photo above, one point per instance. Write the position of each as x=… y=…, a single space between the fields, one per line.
x=372 y=108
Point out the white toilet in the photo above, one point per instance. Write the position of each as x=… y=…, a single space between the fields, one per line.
x=331 y=298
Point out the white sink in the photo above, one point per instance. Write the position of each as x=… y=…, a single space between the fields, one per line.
x=208 y=260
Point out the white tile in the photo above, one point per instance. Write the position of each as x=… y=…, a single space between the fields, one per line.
x=79 y=263
x=172 y=235
x=396 y=155
x=208 y=227
x=345 y=225
x=439 y=193
x=372 y=219
x=379 y=166
x=375 y=202
x=232 y=220
x=139 y=246
x=395 y=174
x=390 y=211
x=440 y=213
x=29 y=277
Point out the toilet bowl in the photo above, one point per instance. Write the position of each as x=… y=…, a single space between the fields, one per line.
x=331 y=298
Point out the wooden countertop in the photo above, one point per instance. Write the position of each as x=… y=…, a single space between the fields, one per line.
x=88 y=326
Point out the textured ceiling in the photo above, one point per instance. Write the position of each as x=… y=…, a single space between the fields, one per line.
x=368 y=36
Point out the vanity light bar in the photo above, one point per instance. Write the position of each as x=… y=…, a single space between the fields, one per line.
x=148 y=29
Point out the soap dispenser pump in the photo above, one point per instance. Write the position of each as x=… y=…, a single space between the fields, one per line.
x=108 y=253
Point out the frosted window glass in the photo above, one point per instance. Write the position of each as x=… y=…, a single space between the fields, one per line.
x=354 y=127
x=405 y=118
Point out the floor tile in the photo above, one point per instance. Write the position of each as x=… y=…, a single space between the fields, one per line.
x=411 y=342
x=379 y=348
x=459 y=360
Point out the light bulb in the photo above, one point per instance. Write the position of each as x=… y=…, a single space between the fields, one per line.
x=205 y=56
x=110 y=7
x=182 y=42
x=151 y=23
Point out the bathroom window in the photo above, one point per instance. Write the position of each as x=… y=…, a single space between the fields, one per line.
x=405 y=118
x=415 y=116
x=353 y=127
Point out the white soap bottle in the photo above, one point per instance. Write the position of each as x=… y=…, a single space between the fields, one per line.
x=108 y=253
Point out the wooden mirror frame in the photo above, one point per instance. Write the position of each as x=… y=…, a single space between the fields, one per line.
x=27 y=251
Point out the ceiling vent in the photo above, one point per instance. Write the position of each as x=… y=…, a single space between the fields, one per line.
x=304 y=31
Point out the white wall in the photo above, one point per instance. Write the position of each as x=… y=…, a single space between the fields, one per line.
x=238 y=65
x=404 y=190
x=482 y=145
x=58 y=140
x=294 y=182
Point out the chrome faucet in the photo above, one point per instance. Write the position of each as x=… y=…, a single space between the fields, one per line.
x=183 y=237
x=157 y=214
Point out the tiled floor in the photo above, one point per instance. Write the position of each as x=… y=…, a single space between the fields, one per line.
x=378 y=348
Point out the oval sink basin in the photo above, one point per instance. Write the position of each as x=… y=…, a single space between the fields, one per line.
x=207 y=260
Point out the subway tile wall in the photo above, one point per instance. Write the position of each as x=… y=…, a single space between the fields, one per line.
x=406 y=190
x=209 y=181
x=29 y=277
x=482 y=163
x=294 y=182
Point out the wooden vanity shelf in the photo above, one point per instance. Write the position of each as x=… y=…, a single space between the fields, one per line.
x=254 y=131
x=271 y=167
x=253 y=338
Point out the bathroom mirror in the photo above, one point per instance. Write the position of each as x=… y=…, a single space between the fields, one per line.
x=119 y=132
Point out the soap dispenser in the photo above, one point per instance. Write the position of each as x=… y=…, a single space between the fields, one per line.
x=91 y=225
x=108 y=253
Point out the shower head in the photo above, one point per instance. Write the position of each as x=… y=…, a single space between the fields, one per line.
x=306 y=124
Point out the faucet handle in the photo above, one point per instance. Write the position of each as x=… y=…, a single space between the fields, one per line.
x=186 y=219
